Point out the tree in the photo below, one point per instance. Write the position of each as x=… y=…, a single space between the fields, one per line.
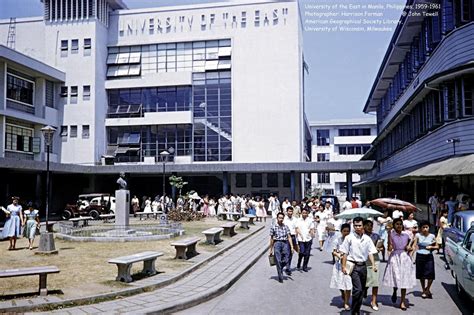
x=177 y=182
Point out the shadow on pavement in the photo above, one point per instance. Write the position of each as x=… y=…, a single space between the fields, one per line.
x=28 y=294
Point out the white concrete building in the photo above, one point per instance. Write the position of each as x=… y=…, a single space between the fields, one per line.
x=218 y=82
x=340 y=141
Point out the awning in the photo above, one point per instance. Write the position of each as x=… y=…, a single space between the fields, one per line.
x=121 y=150
x=461 y=165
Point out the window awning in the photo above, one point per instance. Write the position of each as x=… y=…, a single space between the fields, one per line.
x=121 y=150
x=460 y=165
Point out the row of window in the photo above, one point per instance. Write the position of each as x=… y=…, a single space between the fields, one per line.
x=454 y=100
x=322 y=137
x=72 y=131
x=87 y=47
x=323 y=157
x=453 y=13
x=350 y=132
x=256 y=180
x=20 y=89
x=324 y=178
x=353 y=149
x=73 y=91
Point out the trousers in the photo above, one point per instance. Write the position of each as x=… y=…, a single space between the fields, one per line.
x=290 y=253
x=280 y=250
x=359 y=279
x=305 y=252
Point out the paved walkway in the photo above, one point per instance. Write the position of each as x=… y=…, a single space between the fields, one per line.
x=201 y=285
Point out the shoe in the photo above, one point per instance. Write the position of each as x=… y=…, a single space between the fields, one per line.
x=298 y=267
x=403 y=307
x=347 y=307
x=280 y=280
x=288 y=272
x=31 y=247
x=374 y=307
x=429 y=295
x=394 y=297
x=305 y=269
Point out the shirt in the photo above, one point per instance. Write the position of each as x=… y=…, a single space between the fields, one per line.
x=397 y=214
x=291 y=224
x=346 y=205
x=279 y=232
x=399 y=241
x=424 y=241
x=304 y=227
x=409 y=224
x=358 y=248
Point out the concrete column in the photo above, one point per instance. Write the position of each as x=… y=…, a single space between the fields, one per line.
x=225 y=183
x=349 y=183
x=40 y=97
x=292 y=185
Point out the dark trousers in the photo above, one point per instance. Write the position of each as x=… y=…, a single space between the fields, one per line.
x=280 y=250
x=305 y=252
x=290 y=252
x=359 y=278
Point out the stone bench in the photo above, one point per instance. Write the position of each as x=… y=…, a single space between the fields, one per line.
x=251 y=218
x=85 y=220
x=124 y=264
x=213 y=235
x=186 y=248
x=107 y=217
x=147 y=214
x=226 y=215
x=244 y=223
x=229 y=228
x=32 y=271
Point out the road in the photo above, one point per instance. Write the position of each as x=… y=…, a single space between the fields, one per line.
x=259 y=292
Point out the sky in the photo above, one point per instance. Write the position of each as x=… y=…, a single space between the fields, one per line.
x=342 y=65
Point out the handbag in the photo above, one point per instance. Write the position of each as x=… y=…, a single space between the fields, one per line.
x=349 y=267
x=271 y=260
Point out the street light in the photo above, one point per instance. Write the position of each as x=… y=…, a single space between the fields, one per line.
x=453 y=141
x=164 y=158
x=46 y=245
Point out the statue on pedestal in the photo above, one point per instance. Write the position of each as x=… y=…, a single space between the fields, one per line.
x=122 y=182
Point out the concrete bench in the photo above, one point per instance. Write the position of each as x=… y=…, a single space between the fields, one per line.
x=85 y=220
x=32 y=271
x=228 y=215
x=186 y=248
x=251 y=218
x=213 y=235
x=124 y=264
x=244 y=223
x=147 y=214
x=107 y=217
x=229 y=228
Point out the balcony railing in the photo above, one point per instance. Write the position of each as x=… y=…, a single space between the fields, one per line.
x=138 y=110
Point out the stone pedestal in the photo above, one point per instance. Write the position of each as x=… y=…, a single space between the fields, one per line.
x=46 y=244
x=122 y=208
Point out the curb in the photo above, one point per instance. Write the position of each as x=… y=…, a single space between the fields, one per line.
x=90 y=300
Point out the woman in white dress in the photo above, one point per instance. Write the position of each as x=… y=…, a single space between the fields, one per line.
x=321 y=218
x=212 y=207
x=339 y=280
x=261 y=211
x=147 y=206
x=154 y=206
x=333 y=229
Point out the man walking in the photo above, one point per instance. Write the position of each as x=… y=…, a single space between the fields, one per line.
x=290 y=222
x=280 y=237
x=305 y=234
x=357 y=247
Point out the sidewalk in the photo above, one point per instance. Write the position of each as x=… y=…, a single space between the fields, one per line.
x=207 y=282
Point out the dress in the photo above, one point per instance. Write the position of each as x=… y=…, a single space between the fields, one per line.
x=12 y=224
x=373 y=276
x=333 y=234
x=425 y=268
x=212 y=208
x=30 y=227
x=261 y=212
x=400 y=270
x=147 y=206
x=321 y=228
x=443 y=223
x=338 y=279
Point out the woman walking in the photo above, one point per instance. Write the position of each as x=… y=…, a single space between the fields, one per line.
x=212 y=207
x=399 y=272
x=32 y=224
x=383 y=231
x=425 y=269
x=261 y=212
x=443 y=224
x=339 y=280
x=11 y=229
x=373 y=274
x=321 y=217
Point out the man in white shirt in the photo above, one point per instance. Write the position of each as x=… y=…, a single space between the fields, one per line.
x=304 y=235
x=347 y=204
x=290 y=222
x=397 y=214
x=357 y=247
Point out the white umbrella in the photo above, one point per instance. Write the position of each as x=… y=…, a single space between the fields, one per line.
x=359 y=212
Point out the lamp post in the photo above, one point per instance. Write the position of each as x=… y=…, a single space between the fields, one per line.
x=164 y=158
x=453 y=141
x=46 y=245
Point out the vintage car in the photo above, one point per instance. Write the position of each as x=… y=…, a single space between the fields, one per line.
x=92 y=205
x=460 y=257
x=462 y=221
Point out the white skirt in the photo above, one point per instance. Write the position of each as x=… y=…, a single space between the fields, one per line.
x=339 y=280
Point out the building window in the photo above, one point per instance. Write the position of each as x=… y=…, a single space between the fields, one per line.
x=286 y=179
x=64 y=47
x=322 y=137
x=240 y=180
x=86 y=92
x=18 y=138
x=272 y=180
x=85 y=131
x=63 y=131
x=468 y=92
x=20 y=89
x=256 y=180
x=73 y=91
x=74 y=46
x=63 y=91
x=73 y=131
x=87 y=46
x=449 y=101
x=354 y=132
x=323 y=178
x=323 y=157
x=49 y=98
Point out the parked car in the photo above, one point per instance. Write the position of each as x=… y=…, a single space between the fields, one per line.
x=462 y=221
x=90 y=205
x=460 y=257
x=334 y=202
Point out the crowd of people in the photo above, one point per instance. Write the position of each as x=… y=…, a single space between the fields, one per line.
x=357 y=250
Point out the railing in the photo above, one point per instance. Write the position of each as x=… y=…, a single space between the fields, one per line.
x=138 y=110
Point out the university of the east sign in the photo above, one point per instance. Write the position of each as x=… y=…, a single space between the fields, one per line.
x=203 y=22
